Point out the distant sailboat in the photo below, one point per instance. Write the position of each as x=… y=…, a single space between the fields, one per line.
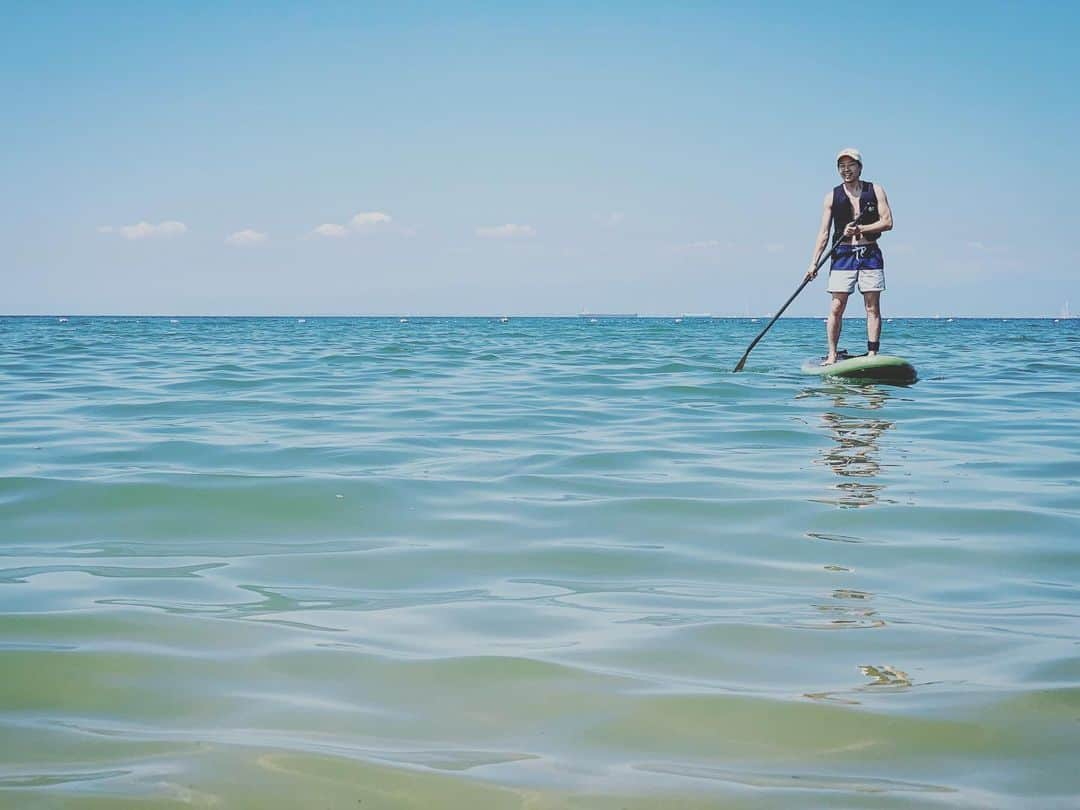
x=1065 y=314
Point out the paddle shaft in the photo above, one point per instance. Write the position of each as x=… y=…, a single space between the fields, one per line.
x=794 y=295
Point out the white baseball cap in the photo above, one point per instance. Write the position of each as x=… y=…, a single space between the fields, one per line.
x=850 y=152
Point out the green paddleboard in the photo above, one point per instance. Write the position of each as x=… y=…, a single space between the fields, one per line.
x=886 y=368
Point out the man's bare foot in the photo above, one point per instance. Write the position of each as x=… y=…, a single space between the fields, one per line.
x=871 y=354
x=828 y=361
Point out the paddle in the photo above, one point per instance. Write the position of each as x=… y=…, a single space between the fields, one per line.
x=807 y=280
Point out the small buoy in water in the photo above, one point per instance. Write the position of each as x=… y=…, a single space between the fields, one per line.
x=592 y=320
x=504 y=320
x=403 y=320
x=301 y=320
x=63 y=320
x=950 y=320
x=889 y=320
x=173 y=320
x=753 y=320
x=678 y=320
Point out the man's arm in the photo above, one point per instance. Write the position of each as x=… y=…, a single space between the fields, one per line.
x=884 y=221
x=823 y=236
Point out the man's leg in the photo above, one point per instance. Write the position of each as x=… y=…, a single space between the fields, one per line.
x=836 y=321
x=873 y=319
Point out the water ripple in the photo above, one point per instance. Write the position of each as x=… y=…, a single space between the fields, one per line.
x=246 y=560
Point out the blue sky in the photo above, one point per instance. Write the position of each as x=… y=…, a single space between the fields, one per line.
x=431 y=158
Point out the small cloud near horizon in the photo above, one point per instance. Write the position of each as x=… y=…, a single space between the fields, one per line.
x=364 y=222
x=147 y=230
x=507 y=231
x=369 y=219
x=248 y=236
x=329 y=229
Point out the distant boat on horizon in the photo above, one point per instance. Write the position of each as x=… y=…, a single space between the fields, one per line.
x=1065 y=314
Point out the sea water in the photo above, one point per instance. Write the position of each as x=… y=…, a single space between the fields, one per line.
x=478 y=563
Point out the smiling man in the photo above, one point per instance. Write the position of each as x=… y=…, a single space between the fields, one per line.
x=857 y=262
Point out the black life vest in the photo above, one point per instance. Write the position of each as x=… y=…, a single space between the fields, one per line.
x=842 y=213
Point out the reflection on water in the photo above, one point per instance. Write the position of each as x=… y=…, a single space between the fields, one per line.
x=883 y=677
x=842 y=615
x=855 y=427
x=854 y=421
x=855 y=424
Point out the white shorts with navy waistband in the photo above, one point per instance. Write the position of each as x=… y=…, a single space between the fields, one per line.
x=845 y=281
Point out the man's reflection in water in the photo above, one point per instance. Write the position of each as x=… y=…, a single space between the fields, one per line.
x=854 y=420
x=855 y=428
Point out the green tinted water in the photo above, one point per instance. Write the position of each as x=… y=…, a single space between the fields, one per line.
x=544 y=563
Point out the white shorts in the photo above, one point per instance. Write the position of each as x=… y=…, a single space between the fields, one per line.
x=844 y=281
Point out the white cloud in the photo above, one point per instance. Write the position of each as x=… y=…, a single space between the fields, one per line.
x=331 y=230
x=147 y=230
x=364 y=222
x=369 y=219
x=245 y=237
x=508 y=231
x=977 y=245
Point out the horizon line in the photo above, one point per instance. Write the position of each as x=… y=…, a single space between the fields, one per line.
x=511 y=315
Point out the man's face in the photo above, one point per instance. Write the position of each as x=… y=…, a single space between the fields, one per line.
x=849 y=169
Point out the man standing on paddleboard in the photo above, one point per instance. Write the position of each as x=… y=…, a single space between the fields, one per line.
x=860 y=211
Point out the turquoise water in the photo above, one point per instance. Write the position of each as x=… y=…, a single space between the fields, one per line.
x=544 y=563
